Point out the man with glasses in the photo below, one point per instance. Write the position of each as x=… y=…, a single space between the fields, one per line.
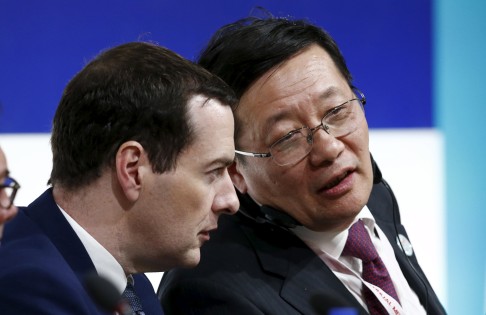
x=318 y=226
x=141 y=143
x=8 y=190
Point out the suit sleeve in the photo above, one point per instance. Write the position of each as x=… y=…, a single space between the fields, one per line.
x=32 y=290
x=202 y=297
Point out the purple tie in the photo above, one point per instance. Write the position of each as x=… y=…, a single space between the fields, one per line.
x=359 y=245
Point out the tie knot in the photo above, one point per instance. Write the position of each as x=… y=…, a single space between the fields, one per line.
x=359 y=243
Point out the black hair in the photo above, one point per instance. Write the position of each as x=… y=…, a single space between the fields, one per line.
x=136 y=91
x=243 y=51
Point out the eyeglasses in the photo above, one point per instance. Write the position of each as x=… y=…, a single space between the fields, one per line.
x=340 y=121
x=8 y=190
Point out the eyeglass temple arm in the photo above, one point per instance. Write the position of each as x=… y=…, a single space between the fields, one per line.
x=262 y=155
x=360 y=95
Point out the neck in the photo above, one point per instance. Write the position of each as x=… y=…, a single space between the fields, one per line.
x=97 y=209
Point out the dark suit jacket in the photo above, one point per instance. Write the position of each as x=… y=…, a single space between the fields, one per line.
x=257 y=268
x=43 y=264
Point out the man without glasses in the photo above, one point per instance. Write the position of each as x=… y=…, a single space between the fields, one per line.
x=141 y=143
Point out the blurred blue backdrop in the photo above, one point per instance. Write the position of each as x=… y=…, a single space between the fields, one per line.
x=387 y=45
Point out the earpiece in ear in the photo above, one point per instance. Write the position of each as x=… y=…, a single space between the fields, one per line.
x=265 y=214
x=279 y=218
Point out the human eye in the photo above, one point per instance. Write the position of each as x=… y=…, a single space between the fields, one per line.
x=338 y=113
x=215 y=173
x=287 y=142
x=218 y=169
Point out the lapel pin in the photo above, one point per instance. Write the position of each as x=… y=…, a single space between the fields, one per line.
x=405 y=245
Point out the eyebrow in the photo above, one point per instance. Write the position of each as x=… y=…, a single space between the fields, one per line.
x=222 y=161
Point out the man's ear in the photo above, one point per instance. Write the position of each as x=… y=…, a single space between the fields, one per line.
x=236 y=177
x=130 y=158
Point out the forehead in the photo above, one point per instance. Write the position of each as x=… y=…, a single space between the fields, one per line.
x=299 y=81
x=213 y=127
x=206 y=115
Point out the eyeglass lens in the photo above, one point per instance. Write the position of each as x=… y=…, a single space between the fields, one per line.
x=341 y=121
x=8 y=190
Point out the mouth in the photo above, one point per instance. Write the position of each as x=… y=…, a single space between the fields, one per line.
x=205 y=233
x=336 y=181
x=338 y=185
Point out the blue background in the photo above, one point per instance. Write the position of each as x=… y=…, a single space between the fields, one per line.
x=44 y=43
x=459 y=83
x=421 y=64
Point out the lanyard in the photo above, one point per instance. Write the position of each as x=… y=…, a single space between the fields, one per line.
x=388 y=302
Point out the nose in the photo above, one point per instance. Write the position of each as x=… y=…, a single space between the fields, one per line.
x=325 y=148
x=226 y=201
x=320 y=126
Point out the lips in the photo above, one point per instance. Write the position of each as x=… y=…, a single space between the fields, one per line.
x=211 y=229
x=336 y=181
x=205 y=233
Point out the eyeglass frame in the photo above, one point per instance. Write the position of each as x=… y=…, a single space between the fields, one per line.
x=359 y=96
x=14 y=185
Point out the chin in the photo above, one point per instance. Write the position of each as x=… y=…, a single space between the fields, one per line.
x=192 y=258
x=335 y=219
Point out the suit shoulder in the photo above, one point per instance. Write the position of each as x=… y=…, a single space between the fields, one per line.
x=383 y=204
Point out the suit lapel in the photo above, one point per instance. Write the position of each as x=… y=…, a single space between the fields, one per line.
x=307 y=281
x=409 y=265
x=49 y=218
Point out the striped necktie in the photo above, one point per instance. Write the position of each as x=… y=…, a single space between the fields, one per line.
x=359 y=245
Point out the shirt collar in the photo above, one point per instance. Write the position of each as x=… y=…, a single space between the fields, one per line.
x=332 y=242
x=106 y=265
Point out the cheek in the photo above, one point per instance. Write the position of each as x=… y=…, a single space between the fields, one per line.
x=358 y=143
x=271 y=182
x=364 y=134
x=364 y=153
x=196 y=203
x=177 y=208
x=258 y=175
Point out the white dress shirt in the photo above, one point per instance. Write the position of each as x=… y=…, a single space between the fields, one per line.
x=106 y=265
x=329 y=246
